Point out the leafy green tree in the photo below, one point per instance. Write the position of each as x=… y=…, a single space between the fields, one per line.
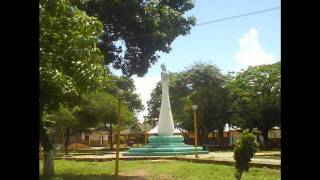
x=136 y=129
x=243 y=152
x=70 y=61
x=207 y=84
x=200 y=84
x=142 y=26
x=102 y=108
x=66 y=122
x=256 y=98
x=130 y=97
x=154 y=103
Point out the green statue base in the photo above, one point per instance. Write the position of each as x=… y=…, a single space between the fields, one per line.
x=165 y=146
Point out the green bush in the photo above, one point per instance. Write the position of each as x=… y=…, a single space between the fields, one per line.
x=243 y=152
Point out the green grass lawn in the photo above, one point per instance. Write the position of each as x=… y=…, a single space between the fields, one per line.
x=169 y=170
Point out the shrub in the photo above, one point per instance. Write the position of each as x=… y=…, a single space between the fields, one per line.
x=243 y=152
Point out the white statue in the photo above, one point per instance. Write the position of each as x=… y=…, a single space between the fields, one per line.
x=166 y=126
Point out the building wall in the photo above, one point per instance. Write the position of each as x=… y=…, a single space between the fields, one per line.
x=98 y=143
x=95 y=139
x=274 y=138
x=98 y=138
x=274 y=134
x=235 y=136
x=229 y=138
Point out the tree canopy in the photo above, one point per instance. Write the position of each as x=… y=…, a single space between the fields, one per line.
x=256 y=95
x=130 y=97
x=250 y=99
x=70 y=62
x=201 y=84
x=142 y=27
x=70 y=59
x=101 y=107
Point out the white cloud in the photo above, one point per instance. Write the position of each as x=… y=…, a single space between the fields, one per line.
x=144 y=87
x=251 y=52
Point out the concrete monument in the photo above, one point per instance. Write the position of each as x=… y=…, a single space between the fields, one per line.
x=165 y=143
x=165 y=121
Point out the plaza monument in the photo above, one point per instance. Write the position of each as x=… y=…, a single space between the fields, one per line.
x=165 y=143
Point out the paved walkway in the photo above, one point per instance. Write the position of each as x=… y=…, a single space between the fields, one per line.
x=212 y=157
x=228 y=156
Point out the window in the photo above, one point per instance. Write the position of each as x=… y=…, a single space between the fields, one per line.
x=86 y=138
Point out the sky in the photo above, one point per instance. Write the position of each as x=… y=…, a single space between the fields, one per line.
x=230 y=45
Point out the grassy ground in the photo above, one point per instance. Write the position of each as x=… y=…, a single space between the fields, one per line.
x=154 y=170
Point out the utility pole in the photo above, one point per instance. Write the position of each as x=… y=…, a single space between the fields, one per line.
x=195 y=107
x=119 y=92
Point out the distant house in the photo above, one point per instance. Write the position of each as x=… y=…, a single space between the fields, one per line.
x=95 y=138
x=275 y=137
x=100 y=137
x=232 y=134
x=274 y=133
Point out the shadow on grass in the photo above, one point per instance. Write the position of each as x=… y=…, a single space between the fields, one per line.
x=92 y=177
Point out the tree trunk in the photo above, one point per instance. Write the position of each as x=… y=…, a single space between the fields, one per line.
x=107 y=129
x=238 y=175
x=110 y=133
x=213 y=138
x=229 y=141
x=67 y=141
x=137 y=138
x=206 y=138
x=265 y=139
x=220 y=134
x=200 y=137
x=48 y=166
x=60 y=136
x=204 y=128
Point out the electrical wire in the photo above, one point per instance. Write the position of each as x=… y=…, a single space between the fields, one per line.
x=216 y=20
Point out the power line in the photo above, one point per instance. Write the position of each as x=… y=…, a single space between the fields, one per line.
x=217 y=20
x=237 y=16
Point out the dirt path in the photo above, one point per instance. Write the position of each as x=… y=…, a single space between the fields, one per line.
x=143 y=174
x=135 y=175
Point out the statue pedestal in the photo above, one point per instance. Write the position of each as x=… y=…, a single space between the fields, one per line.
x=165 y=146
